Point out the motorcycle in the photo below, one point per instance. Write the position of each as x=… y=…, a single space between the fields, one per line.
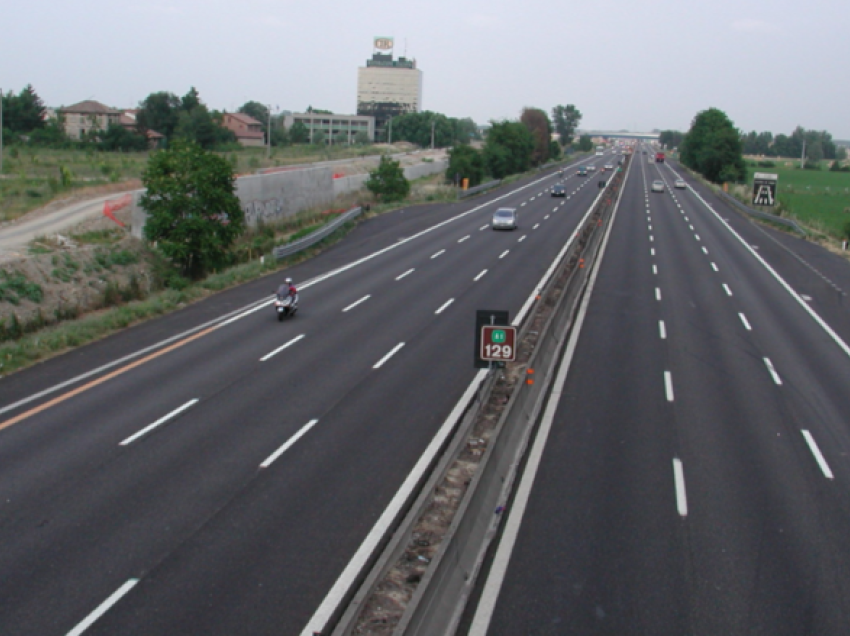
x=286 y=305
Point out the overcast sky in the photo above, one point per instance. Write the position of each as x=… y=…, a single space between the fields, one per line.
x=626 y=64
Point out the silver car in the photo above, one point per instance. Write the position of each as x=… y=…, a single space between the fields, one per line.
x=505 y=219
x=658 y=186
x=680 y=184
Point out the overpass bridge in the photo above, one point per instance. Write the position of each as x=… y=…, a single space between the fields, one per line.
x=621 y=134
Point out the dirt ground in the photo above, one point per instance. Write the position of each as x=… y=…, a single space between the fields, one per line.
x=73 y=276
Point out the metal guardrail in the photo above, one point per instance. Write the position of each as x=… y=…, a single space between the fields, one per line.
x=282 y=251
x=439 y=600
x=762 y=215
x=462 y=194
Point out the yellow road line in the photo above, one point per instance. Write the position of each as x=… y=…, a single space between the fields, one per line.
x=102 y=379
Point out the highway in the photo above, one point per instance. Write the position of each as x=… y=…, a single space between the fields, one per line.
x=690 y=475
x=215 y=471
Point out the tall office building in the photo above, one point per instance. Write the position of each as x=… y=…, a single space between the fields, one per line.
x=387 y=87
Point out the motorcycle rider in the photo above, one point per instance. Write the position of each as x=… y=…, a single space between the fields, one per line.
x=287 y=289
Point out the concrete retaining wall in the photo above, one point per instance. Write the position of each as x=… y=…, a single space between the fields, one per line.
x=270 y=197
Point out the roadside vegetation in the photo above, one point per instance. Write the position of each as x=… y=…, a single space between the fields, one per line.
x=196 y=241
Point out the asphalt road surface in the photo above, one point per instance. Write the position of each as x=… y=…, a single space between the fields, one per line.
x=214 y=471
x=692 y=475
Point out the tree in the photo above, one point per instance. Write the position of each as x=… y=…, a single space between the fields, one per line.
x=319 y=137
x=361 y=138
x=191 y=100
x=540 y=127
x=387 y=181
x=566 y=120
x=555 y=151
x=194 y=214
x=24 y=112
x=585 y=143
x=465 y=162
x=118 y=138
x=841 y=153
x=508 y=148
x=713 y=147
x=670 y=138
x=298 y=133
x=159 y=112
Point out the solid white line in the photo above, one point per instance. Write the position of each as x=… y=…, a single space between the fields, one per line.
x=354 y=304
x=445 y=305
x=813 y=446
x=281 y=348
x=728 y=291
x=103 y=608
x=280 y=451
x=746 y=323
x=160 y=421
x=662 y=330
x=505 y=253
x=242 y=312
x=496 y=576
x=772 y=370
x=668 y=386
x=461 y=240
x=381 y=362
x=657 y=293
x=343 y=583
x=438 y=253
x=480 y=276
x=714 y=267
x=522 y=238
x=408 y=272
x=681 y=495
x=814 y=315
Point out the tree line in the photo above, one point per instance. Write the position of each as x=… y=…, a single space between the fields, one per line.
x=512 y=147
x=715 y=148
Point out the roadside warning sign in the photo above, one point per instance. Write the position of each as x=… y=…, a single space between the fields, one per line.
x=764 y=188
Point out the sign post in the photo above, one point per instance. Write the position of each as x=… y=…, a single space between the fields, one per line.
x=764 y=188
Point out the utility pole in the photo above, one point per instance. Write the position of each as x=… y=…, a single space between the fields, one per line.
x=391 y=132
x=269 y=133
x=433 y=123
x=803 y=155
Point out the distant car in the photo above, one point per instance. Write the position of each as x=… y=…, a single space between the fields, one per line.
x=643 y=152
x=505 y=219
x=582 y=172
x=591 y=168
x=608 y=166
x=680 y=184
x=658 y=186
x=558 y=190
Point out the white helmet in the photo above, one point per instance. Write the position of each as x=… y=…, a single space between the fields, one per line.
x=288 y=281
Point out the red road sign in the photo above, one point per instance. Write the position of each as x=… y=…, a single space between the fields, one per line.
x=498 y=343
